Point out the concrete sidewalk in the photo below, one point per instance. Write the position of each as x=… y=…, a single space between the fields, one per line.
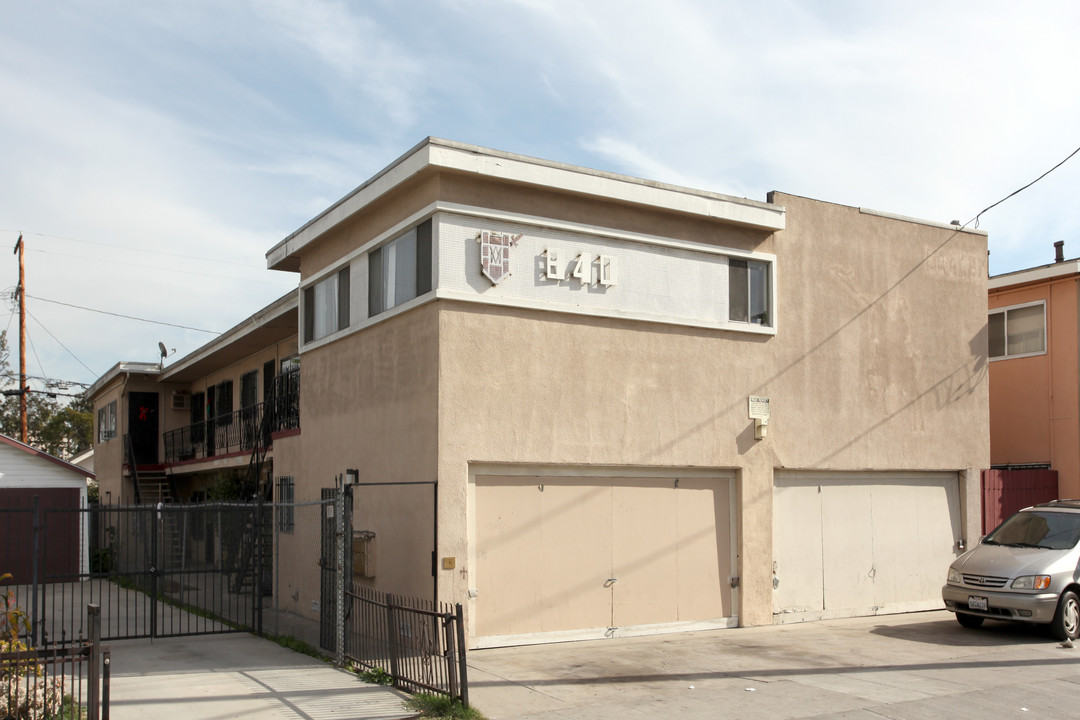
x=920 y=665
x=237 y=676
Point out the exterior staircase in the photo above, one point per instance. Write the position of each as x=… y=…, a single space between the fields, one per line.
x=154 y=487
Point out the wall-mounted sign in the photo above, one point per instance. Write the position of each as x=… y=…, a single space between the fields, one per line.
x=759 y=408
x=581 y=268
x=495 y=254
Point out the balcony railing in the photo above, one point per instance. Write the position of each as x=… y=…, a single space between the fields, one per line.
x=239 y=431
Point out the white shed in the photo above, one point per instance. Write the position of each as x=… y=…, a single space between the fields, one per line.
x=29 y=478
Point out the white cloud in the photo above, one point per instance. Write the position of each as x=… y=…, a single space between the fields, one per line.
x=214 y=130
x=370 y=72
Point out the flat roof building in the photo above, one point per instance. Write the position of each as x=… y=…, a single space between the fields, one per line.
x=642 y=407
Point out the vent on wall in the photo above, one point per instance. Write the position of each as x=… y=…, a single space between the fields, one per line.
x=181 y=401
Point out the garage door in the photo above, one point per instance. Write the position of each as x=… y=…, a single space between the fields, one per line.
x=862 y=544
x=562 y=557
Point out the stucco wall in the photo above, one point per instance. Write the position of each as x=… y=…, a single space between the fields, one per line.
x=109 y=456
x=368 y=401
x=1035 y=403
x=879 y=362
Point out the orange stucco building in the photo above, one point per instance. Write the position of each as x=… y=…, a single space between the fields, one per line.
x=1034 y=349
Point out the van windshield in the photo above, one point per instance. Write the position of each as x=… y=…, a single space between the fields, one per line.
x=1038 y=528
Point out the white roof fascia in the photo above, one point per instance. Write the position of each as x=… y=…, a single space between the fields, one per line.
x=124 y=366
x=533 y=171
x=1046 y=272
x=274 y=310
x=609 y=185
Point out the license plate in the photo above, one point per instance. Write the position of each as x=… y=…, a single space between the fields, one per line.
x=978 y=603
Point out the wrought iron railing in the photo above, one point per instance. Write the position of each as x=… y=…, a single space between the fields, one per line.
x=59 y=681
x=420 y=645
x=239 y=431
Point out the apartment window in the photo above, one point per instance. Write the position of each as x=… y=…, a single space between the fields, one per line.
x=1017 y=331
x=748 y=292
x=400 y=270
x=249 y=388
x=198 y=417
x=326 y=306
x=223 y=402
x=286 y=498
x=107 y=422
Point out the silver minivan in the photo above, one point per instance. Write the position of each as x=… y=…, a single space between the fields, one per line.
x=1026 y=570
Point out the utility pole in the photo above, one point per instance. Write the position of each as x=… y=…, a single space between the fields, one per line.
x=21 y=292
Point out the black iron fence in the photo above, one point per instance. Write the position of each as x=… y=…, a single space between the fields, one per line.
x=239 y=431
x=155 y=571
x=174 y=569
x=419 y=644
x=61 y=681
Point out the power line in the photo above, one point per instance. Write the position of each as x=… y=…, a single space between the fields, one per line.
x=157 y=268
x=47 y=381
x=127 y=317
x=60 y=343
x=129 y=247
x=1016 y=192
x=33 y=348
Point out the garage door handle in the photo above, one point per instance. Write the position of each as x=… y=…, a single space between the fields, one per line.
x=610 y=582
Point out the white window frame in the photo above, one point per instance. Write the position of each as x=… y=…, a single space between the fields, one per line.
x=770 y=296
x=326 y=305
x=400 y=263
x=1005 y=311
x=107 y=422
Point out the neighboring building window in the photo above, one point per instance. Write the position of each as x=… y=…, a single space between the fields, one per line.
x=286 y=498
x=326 y=306
x=1017 y=331
x=107 y=422
x=748 y=292
x=400 y=270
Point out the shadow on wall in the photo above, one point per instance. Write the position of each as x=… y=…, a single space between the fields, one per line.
x=961 y=382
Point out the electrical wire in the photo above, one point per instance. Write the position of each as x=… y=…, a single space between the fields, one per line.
x=61 y=344
x=1017 y=192
x=128 y=247
x=127 y=317
x=157 y=268
x=33 y=349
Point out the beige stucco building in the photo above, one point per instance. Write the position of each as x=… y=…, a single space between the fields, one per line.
x=643 y=407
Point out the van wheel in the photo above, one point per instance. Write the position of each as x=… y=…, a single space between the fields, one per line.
x=1066 y=624
x=969 y=621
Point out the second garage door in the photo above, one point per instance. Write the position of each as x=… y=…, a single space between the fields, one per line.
x=589 y=556
x=862 y=543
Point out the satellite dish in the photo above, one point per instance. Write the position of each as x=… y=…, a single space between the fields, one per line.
x=164 y=352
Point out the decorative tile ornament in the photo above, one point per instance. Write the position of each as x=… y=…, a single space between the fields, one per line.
x=495 y=254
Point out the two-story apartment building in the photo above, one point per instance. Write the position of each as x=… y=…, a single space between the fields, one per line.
x=194 y=427
x=643 y=407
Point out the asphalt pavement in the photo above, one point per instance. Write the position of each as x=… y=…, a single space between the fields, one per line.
x=912 y=666
x=915 y=666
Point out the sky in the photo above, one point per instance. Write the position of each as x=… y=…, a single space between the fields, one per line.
x=153 y=151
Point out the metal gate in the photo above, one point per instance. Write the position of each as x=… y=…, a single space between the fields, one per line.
x=1006 y=490
x=329 y=562
x=155 y=571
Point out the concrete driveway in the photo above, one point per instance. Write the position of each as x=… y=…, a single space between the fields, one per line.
x=237 y=676
x=920 y=665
